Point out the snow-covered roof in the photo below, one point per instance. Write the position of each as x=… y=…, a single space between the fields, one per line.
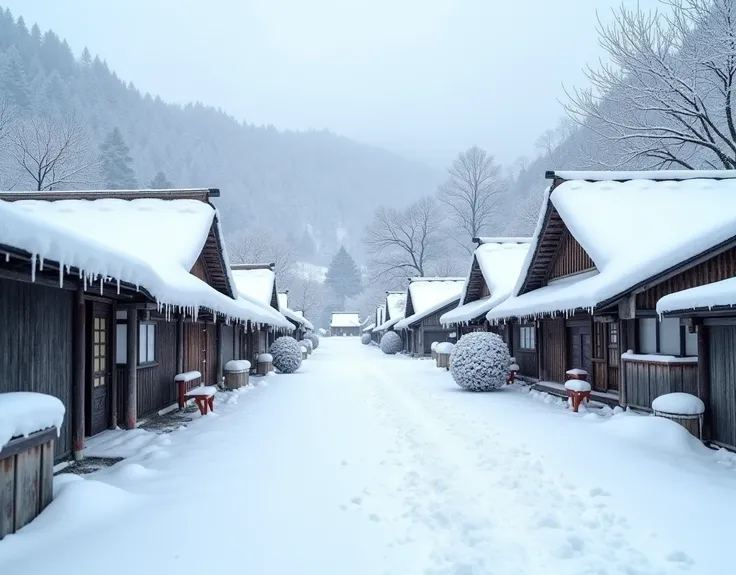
x=656 y=175
x=148 y=242
x=298 y=320
x=714 y=295
x=499 y=262
x=256 y=284
x=633 y=231
x=283 y=298
x=388 y=324
x=395 y=302
x=370 y=327
x=305 y=322
x=345 y=320
x=428 y=295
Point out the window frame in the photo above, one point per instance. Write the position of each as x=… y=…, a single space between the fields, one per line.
x=682 y=339
x=527 y=338
x=150 y=328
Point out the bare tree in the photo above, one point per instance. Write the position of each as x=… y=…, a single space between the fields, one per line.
x=403 y=243
x=53 y=154
x=526 y=215
x=256 y=245
x=308 y=293
x=5 y=127
x=472 y=192
x=666 y=98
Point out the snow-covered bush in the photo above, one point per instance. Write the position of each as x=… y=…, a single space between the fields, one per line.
x=311 y=336
x=365 y=339
x=480 y=361
x=307 y=343
x=391 y=343
x=287 y=354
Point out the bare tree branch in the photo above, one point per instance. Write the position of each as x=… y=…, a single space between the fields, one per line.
x=259 y=246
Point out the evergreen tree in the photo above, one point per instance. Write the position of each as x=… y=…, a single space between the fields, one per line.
x=343 y=276
x=15 y=83
x=115 y=162
x=160 y=182
x=86 y=58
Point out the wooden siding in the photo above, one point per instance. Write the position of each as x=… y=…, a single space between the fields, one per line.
x=553 y=351
x=340 y=331
x=231 y=342
x=156 y=389
x=195 y=348
x=721 y=407
x=571 y=258
x=211 y=355
x=36 y=346
x=720 y=267
x=200 y=270
x=644 y=381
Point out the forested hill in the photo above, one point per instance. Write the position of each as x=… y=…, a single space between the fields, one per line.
x=319 y=188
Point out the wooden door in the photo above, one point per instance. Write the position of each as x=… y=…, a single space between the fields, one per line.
x=99 y=362
x=721 y=408
x=579 y=348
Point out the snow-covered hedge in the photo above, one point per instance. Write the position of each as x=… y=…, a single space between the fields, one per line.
x=365 y=339
x=480 y=361
x=391 y=343
x=287 y=354
x=311 y=336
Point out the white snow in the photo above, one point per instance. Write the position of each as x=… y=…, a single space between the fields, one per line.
x=716 y=294
x=679 y=403
x=265 y=358
x=305 y=322
x=237 y=365
x=434 y=345
x=202 y=390
x=395 y=303
x=345 y=320
x=256 y=284
x=283 y=298
x=605 y=176
x=187 y=376
x=444 y=348
x=297 y=319
x=24 y=412
x=576 y=371
x=303 y=349
x=365 y=463
x=371 y=326
x=632 y=230
x=500 y=261
x=388 y=323
x=577 y=385
x=658 y=358
x=95 y=236
x=427 y=295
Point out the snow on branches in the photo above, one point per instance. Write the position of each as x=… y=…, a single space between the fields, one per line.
x=287 y=354
x=480 y=362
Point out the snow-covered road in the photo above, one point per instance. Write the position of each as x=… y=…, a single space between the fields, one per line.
x=368 y=464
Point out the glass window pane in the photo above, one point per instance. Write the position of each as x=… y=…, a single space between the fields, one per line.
x=102 y=337
x=97 y=336
x=691 y=343
x=97 y=323
x=669 y=336
x=103 y=323
x=121 y=343
x=142 y=344
x=103 y=364
x=151 y=342
x=612 y=333
x=647 y=335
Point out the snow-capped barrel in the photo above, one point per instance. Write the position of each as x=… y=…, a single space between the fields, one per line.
x=443 y=351
x=683 y=408
x=265 y=364
x=237 y=372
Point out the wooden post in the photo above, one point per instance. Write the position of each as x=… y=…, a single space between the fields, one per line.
x=704 y=375
x=180 y=344
x=112 y=364
x=78 y=380
x=219 y=348
x=131 y=414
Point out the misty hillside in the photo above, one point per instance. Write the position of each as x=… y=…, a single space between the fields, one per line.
x=321 y=188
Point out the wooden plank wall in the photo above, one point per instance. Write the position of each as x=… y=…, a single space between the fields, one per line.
x=571 y=258
x=229 y=343
x=156 y=389
x=195 y=348
x=525 y=359
x=554 y=360
x=211 y=354
x=720 y=267
x=645 y=381
x=722 y=402
x=36 y=346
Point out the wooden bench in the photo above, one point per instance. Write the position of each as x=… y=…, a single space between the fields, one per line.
x=182 y=380
x=204 y=397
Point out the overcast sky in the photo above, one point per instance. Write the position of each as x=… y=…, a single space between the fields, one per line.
x=425 y=78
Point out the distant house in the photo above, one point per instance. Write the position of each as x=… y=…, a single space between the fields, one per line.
x=427 y=299
x=493 y=274
x=607 y=248
x=106 y=296
x=345 y=323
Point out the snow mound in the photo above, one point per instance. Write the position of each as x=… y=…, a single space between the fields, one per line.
x=657 y=433
x=577 y=385
x=434 y=345
x=679 y=403
x=480 y=361
x=237 y=365
x=287 y=355
x=576 y=371
x=390 y=343
x=445 y=348
x=187 y=376
x=265 y=358
x=365 y=339
x=25 y=412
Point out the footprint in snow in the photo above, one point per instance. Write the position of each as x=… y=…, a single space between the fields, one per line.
x=599 y=492
x=373 y=517
x=679 y=557
x=356 y=500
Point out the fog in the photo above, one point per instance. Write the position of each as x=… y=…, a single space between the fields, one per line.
x=425 y=78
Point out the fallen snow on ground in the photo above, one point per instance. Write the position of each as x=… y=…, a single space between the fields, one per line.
x=370 y=464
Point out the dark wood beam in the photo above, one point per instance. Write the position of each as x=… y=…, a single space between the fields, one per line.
x=78 y=379
x=132 y=371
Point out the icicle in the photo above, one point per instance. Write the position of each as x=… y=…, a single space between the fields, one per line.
x=118 y=284
x=33 y=268
x=7 y=257
x=61 y=276
x=102 y=285
x=40 y=263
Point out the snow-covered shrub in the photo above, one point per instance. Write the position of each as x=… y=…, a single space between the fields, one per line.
x=287 y=354
x=391 y=343
x=311 y=336
x=307 y=343
x=480 y=361
x=365 y=339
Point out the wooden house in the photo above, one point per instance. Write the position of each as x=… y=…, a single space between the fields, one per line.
x=493 y=274
x=345 y=323
x=393 y=312
x=379 y=319
x=105 y=296
x=607 y=247
x=301 y=325
x=427 y=299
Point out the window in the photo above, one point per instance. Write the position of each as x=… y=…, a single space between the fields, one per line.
x=666 y=337
x=613 y=351
x=669 y=336
x=691 y=343
x=121 y=343
x=146 y=343
x=527 y=337
x=647 y=335
x=599 y=340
